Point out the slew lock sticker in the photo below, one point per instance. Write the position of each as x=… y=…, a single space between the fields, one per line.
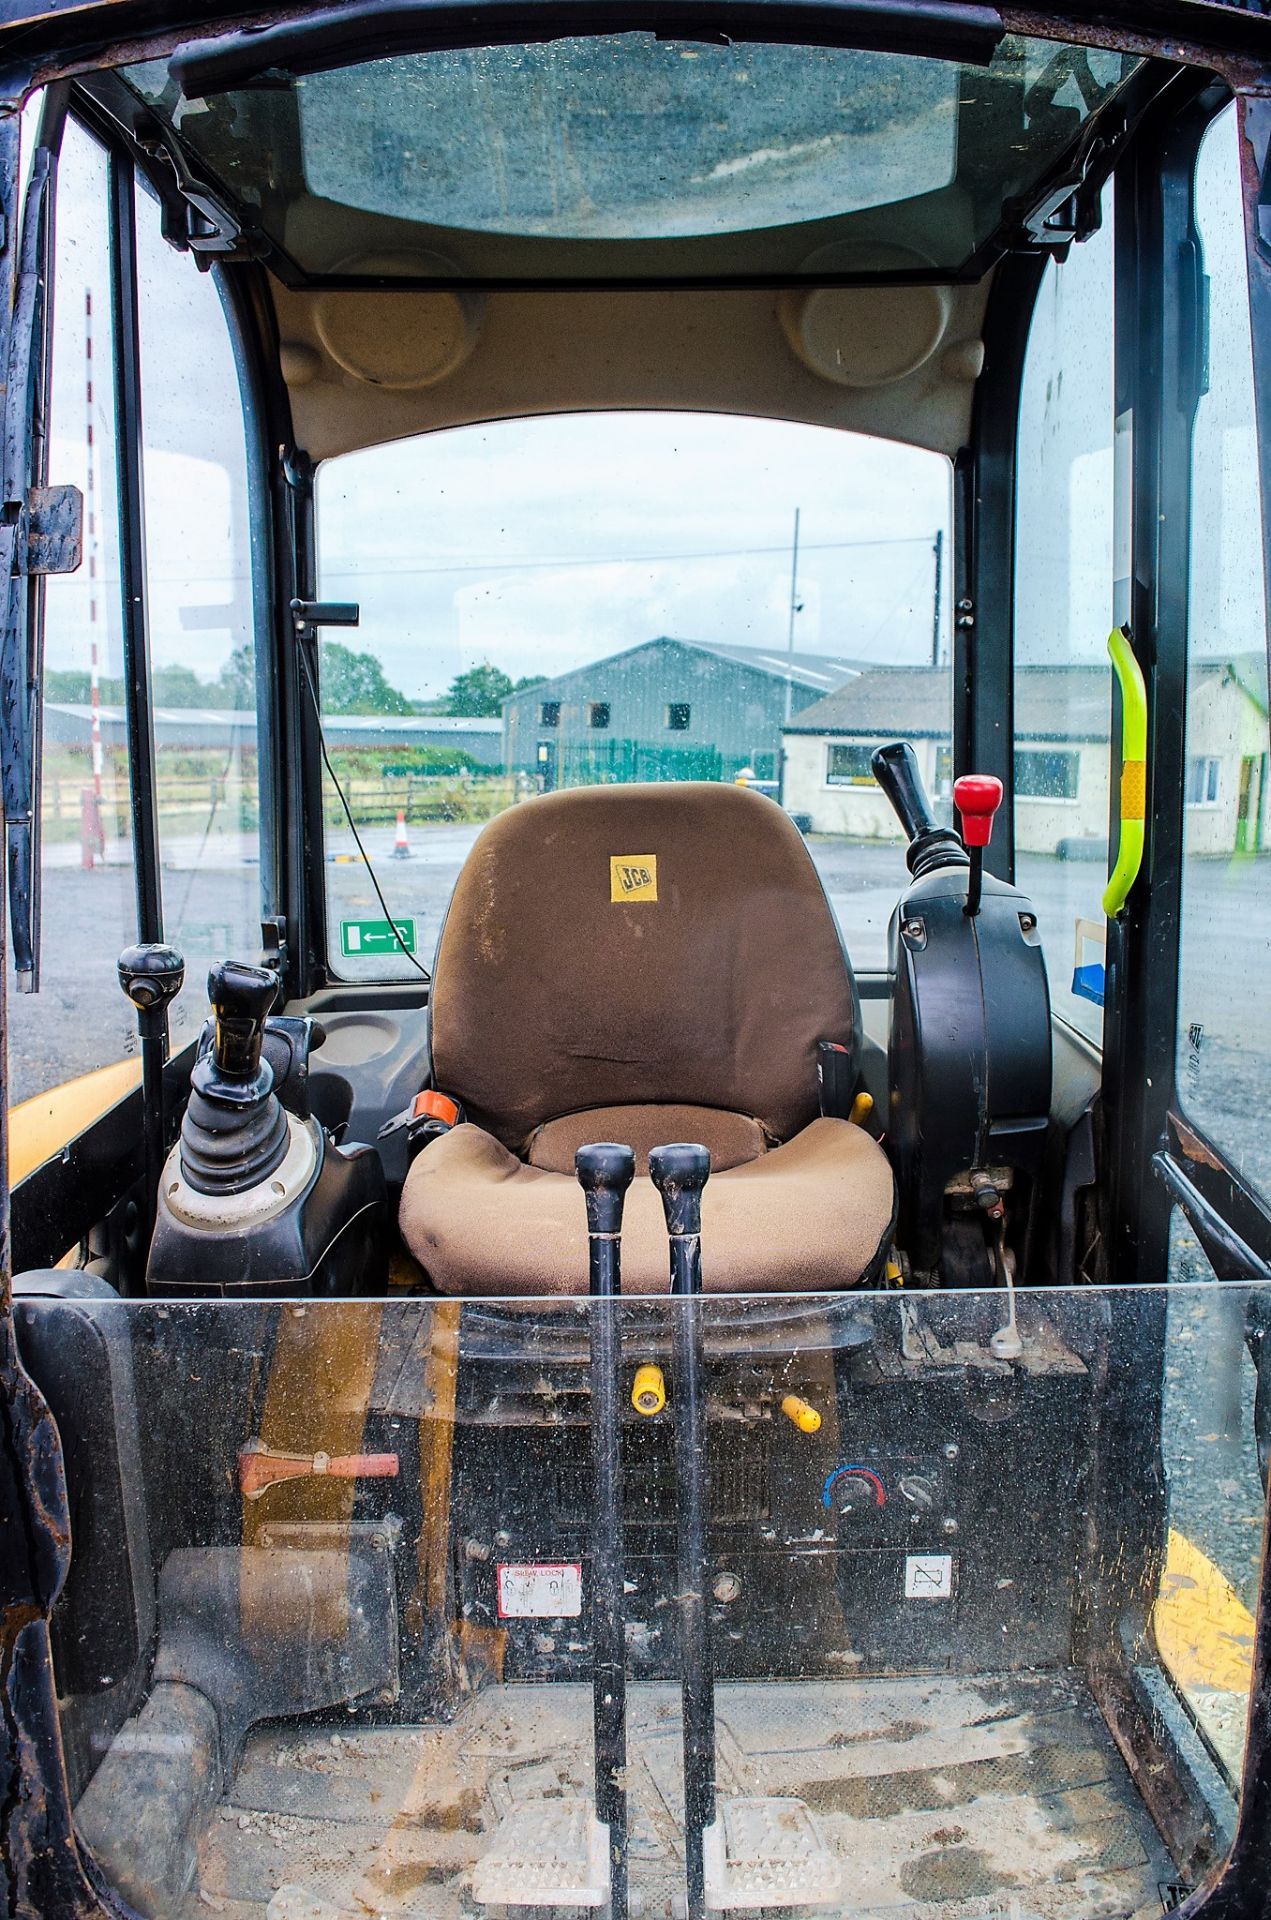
x=633 y=876
x=539 y=1591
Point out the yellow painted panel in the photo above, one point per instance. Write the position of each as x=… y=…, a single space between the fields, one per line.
x=1203 y=1629
x=42 y=1126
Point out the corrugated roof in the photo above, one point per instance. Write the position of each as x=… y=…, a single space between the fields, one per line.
x=818 y=672
x=1051 y=703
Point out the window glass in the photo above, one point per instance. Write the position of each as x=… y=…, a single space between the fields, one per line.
x=1224 y=1041
x=1063 y=609
x=643 y=566
x=1203 y=1620
x=848 y=764
x=199 y=588
x=80 y=1022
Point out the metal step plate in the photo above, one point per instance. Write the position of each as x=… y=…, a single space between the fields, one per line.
x=767 y=1853
x=545 y=1853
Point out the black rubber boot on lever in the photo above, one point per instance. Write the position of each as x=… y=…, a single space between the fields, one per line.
x=152 y=976
x=605 y=1171
x=679 y=1173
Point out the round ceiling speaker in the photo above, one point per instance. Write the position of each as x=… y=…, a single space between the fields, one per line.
x=411 y=338
x=865 y=336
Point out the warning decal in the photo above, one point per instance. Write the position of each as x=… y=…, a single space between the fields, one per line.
x=540 y=1591
x=928 y=1576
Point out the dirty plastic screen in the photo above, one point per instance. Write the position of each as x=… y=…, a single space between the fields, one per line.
x=635 y=153
x=327 y=1643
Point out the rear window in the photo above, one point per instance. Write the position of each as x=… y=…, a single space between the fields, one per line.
x=594 y=599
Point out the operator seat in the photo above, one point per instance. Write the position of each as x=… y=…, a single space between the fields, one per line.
x=643 y=963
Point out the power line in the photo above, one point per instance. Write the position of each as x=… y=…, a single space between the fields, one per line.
x=614 y=559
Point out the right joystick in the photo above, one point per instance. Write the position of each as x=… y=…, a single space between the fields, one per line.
x=977 y=797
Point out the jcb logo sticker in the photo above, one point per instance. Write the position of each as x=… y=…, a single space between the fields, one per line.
x=633 y=876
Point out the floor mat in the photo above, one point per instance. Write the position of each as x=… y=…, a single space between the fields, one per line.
x=943 y=1798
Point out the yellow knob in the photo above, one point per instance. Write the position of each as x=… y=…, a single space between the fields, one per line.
x=805 y=1417
x=862 y=1107
x=895 y=1274
x=648 y=1391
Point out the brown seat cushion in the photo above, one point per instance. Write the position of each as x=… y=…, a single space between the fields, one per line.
x=810 y=1215
x=556 y=989
x=732 y=1138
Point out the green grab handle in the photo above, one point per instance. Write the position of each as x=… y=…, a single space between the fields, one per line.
x=1133 y=808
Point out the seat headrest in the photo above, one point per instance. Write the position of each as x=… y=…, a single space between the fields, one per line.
x=620 y=945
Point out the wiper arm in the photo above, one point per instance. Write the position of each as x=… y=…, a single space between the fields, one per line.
x=368 y=30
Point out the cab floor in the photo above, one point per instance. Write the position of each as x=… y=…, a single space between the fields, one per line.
x=945 y=1798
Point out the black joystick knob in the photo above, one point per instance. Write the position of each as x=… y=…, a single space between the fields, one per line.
x=235 y=1132
x=152 y=975
x=605 y=1171
x=930 y=846
x=679 y=1173
x=241 y=997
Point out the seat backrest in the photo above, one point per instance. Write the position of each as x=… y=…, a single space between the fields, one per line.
x=624 y=945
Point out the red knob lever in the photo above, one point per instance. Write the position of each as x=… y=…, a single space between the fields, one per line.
x=977 y=797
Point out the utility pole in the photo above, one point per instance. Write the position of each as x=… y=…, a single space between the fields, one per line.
x=935 y=616
x=794 y=608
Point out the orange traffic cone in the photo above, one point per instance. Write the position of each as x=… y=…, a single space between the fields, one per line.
x=401 y=845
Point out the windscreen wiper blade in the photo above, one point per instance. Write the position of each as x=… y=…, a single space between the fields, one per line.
x=368 y=30
x=24 y=471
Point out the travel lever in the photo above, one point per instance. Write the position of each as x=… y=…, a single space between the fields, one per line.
x=679 y=1173
x=605 y=1171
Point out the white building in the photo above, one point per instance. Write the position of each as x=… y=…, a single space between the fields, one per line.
x=1062 y=727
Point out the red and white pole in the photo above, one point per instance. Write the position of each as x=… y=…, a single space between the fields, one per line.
x=92 y=831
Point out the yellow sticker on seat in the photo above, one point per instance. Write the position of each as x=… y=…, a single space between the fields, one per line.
x=633 y=876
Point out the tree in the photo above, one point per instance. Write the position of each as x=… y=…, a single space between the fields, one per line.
x=355 y=683
x=67 y=685
x=529 y=680
x=236 y=688
x=479 y=693
x=181 y=687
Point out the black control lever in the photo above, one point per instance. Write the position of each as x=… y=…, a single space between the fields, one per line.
x=930 y=846
x=679 y=1173
x=605 y=1171
x=152 y=976
x=235 y=1132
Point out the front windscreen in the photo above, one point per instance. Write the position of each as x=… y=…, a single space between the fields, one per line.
x=630 y=154
x=978 y=1624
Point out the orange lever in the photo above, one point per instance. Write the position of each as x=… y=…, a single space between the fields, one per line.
x=261 y=1467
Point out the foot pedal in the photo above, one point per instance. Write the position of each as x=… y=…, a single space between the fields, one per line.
x=545 y=1853
x=767 y=1853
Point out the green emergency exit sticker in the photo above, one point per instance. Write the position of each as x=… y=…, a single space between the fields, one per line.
x=372 y=938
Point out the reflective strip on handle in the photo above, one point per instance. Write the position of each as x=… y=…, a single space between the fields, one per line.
x=1133 y=808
